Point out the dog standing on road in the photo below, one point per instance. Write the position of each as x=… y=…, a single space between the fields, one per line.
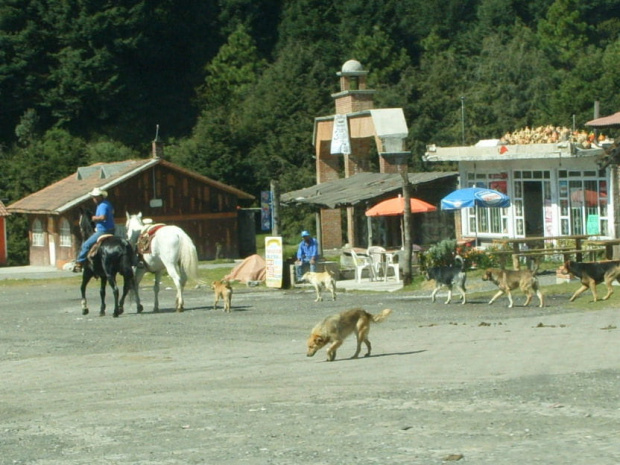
x=592 y=274
x=324 y=280
x=509 y=280
x=336 y=328
x=448 y=276
x=222 y=289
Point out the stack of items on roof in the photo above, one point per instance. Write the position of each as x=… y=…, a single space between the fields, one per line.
x=551 y=134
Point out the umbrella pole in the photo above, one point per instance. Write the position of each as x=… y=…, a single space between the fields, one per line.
x=476 y=222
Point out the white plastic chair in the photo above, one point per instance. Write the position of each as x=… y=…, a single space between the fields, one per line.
x=377 y=254
x=391 y=261
x=362 y=263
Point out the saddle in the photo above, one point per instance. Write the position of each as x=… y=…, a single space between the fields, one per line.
x=143 y=245
x=95 y=248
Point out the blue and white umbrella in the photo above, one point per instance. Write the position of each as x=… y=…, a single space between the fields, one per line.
x=474 y=197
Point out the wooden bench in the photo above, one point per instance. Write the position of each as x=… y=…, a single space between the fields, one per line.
x=536 y=254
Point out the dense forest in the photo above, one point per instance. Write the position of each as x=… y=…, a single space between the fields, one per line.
x=235 y=85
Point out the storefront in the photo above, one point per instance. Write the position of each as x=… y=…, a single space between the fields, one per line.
x=555 y=189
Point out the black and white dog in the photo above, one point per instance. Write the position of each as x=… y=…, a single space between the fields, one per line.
x=448 y=276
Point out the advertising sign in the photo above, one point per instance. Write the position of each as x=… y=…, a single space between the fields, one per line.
x=274 y=253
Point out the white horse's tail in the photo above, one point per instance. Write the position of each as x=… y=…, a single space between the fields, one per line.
x=188 y=257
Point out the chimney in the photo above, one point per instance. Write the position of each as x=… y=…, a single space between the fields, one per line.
x=157 y=145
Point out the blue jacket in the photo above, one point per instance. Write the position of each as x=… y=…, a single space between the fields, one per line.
x=308 y=250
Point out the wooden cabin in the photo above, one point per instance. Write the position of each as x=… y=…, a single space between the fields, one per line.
x=208 y=210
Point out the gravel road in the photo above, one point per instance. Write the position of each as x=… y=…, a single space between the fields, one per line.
x=473 y=383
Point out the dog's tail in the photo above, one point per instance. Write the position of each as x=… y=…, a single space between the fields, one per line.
x=378 y=318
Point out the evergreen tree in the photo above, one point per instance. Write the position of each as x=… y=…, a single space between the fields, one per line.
x=563 y=32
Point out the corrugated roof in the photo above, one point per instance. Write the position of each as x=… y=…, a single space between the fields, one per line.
x=358 y=188
x=72 y=190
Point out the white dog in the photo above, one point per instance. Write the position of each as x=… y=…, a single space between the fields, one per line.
x=321 y=280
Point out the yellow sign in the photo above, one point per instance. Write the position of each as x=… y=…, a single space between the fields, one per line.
x=273 y=261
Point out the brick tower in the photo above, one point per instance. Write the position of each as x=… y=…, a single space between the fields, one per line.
x=345 y=141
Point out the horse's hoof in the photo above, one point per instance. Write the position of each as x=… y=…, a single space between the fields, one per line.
x=84 y=311
x=115 y=315
x=101 y=313
x=140 y=308
x=120 y=311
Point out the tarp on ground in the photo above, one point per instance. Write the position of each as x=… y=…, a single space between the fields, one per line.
x=250 y=269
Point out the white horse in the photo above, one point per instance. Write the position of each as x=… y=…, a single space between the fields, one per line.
x=171 y=249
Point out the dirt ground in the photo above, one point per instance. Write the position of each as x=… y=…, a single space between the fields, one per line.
x=471 y=383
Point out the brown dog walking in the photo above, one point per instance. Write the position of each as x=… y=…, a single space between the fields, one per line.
x=336 y=328
x=509 y=280
x=222 y=289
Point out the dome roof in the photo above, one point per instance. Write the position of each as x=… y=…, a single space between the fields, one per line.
x=352 y=66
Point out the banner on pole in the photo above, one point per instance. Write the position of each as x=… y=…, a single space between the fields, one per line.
x=265 y=210
x=340 y=136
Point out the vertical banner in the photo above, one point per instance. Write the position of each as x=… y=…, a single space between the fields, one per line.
x=265 y=210
x=340 y=136
x=273 y=261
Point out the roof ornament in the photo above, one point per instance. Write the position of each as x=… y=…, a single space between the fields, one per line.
x=157 y=145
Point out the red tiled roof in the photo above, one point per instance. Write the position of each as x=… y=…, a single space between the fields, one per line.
x=612 y=120
x=74 y=189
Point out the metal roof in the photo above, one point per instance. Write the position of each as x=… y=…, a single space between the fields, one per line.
x=73 y=190
x=3 y=210
x=358 y=188
x=605 y=121
x=502 y=153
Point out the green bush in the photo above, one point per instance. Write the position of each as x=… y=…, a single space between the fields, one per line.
x=440 y=254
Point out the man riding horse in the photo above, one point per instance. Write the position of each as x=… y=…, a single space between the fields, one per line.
x=104 y=224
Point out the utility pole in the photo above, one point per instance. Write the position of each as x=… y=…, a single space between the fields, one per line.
x=463 y=119
x=275 y=209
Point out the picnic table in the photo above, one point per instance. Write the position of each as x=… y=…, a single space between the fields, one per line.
x=539 y=250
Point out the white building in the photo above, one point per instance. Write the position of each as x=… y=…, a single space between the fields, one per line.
x=555 y=189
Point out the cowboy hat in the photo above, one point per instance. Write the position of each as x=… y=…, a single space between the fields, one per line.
x=96 y=192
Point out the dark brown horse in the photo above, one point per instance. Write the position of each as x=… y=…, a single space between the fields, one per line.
x=113 y=256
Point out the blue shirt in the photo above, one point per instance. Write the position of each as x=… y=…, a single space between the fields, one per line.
x=308 y=250
x=105 y=208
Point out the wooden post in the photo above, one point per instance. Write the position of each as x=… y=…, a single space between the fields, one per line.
x=407 y=244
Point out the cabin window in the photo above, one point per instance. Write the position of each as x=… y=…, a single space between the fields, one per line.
x=38 y=235
x=65 y=233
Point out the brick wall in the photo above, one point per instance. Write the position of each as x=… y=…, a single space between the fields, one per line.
x=352 y=102
x=331 y=229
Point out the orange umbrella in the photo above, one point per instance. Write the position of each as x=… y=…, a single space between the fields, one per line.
x=589 y=197
x=396 y=207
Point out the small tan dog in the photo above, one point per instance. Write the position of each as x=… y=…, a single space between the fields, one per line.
x=321 y=280
x=222 y=289
x=336 y=328
x=509 y=280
